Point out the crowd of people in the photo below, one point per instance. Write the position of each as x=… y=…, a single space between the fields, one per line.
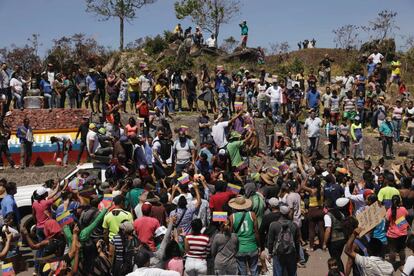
x=180 y=202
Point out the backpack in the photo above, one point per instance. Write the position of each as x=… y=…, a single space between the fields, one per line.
x=285 y=243
x=165 y=149
x=131 y=248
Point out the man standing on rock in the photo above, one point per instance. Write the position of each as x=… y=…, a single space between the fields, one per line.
x=244 y=33
x=25 y=135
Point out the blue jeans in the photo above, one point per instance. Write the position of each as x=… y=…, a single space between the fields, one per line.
x=49 y=99
x=19 y=100
x=284 y=263
x=275 y=109
x=178 y=99
x=250 y=259
x=397 y=129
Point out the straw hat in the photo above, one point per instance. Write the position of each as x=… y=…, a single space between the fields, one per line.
x=268 y=178
x=240 y=203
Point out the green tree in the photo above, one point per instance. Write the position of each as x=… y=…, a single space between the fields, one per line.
x=229 y=44
x=124 y=10
x=208 y=14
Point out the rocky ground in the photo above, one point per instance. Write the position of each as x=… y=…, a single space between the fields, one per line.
x=372 y=147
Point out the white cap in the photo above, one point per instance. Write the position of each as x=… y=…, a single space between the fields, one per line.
x=41 y=191
x=273 y=202
x=341 y=202
x=284 y=209
x=162 y=230
x=222 y=152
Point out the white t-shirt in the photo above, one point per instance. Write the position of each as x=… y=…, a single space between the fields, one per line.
x=376 y=57
x=211 y=42
x=274 y=94
x=313 y=126
x=261 y=89
x=348 y=82
x=219 y=137
x=17 y=85
x=183 y=153
x=92 y=136
x=409 y=266
x=145 y=83
x=327 y=220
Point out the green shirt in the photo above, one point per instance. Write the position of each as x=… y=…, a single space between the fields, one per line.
x=112 y=221
x=234 y=152
x=258 y=205
x=246 y=236
x=132 y=197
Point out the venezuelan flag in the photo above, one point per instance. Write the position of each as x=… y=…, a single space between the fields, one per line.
x=184 y=179
x=108 y=197
x=283 y=167
x=233 y=188
x=238 y=105
x=184 y=128
x=220 y=216
x=400 y=222
x=65 y=218
x=7 y=269
x=274 y=170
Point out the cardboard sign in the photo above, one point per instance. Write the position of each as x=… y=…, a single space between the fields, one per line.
x=370 y=217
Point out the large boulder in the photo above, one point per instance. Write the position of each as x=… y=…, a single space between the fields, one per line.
x=386 y=47
x=243 y=54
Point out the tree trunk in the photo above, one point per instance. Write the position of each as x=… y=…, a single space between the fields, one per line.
x=216 y=33
x=121 y=33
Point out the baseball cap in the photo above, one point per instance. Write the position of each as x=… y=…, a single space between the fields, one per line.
x=162 y=230
x=284 y=209
x=273 y=202
x=92 y=126
x=41 y=191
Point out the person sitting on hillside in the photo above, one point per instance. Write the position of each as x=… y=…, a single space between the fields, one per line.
x=198 y=37
x=178 y=32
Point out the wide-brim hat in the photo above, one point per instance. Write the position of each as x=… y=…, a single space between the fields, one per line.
x=268 y=178
x=240 y=203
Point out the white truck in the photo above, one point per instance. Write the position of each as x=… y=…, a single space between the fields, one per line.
x=23 y=197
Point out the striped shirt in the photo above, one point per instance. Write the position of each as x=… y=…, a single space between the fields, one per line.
x=199 y=246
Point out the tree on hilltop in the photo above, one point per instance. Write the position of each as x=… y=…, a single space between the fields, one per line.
x=125 y=10
x=208 y=14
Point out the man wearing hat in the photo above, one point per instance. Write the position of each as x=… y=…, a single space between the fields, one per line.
x=244 y=224
x=283 y=253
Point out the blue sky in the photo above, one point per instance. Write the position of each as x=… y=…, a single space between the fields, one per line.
x=269 y=20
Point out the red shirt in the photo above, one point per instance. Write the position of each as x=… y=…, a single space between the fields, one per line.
x=218 y=200
x=145 y=228
x=41 y=208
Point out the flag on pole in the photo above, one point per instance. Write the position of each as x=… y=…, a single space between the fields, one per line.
x=233 y=188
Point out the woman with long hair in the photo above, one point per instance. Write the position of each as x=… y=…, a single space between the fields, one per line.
x=397 y=229
x=315 y=213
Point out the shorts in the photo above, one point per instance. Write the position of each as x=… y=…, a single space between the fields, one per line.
x=133 y=96
x=326 y=112
x=395 y=78
x=122 y=97
x=396 y=244
x=196 y=266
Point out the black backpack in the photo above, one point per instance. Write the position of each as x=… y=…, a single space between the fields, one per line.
x=285 y=243
x=165 y=149
x=131 y=248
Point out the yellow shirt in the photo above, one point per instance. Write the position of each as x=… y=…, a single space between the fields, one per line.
x=313 y=201
x=396 y=68
x=133 y=84
x=112 y=222
x=160 y=90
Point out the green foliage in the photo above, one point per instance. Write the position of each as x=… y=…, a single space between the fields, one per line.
x=208 y=14
x=156 y=45
x=294 y=66
x=168 y=36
